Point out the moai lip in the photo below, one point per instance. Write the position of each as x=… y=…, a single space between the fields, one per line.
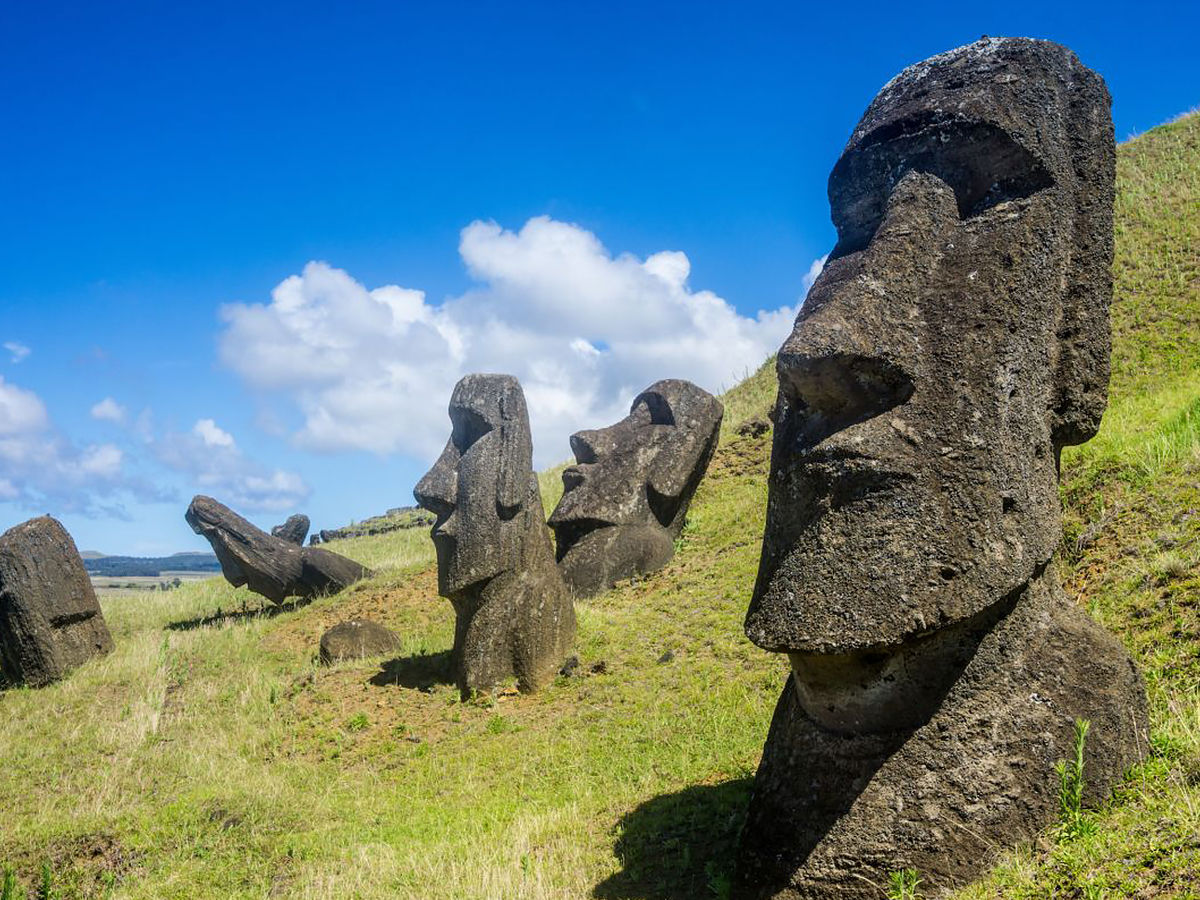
x=956 y=340
x=626 y=498
x=513 y=615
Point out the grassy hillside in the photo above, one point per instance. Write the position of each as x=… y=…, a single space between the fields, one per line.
x=210 y=757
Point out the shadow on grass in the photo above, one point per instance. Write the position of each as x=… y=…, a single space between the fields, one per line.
x=421 y=672
x=680 y=846
x=220 y=617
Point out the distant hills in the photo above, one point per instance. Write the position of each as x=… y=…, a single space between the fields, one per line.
x=119 y=566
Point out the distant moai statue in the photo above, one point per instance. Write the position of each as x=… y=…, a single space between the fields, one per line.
x=294 y=530
x=495 y=564
x=956 y=340
x=50 y=620
x=626 y=498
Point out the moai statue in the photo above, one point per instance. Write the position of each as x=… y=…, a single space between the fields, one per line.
x=270 y=566
x=625 y=499
x=495 y=565
x=957 y=339
x=294 y=530
x=50 y=621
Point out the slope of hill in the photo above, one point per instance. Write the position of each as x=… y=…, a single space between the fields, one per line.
x=209 y=756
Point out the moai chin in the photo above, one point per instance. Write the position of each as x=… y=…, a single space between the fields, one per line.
x=625 y=500
x=495 y=564
x=956 y=340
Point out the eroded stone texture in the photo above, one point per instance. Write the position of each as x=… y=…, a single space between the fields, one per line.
x=294 y=530
x=50 y=621
x=625 y=500
x=495 y=564
x=356 y=639
x=270 y=566
x=956 y=340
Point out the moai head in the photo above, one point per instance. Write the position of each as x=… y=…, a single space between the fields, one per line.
x=956 y=340
x=625 y=499
x=480 y=483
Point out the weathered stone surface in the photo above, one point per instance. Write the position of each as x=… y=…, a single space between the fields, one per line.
x=268 y=565
x=956 y=340
x=626 y=498
x=495 y=564
x=356 y=639
x=294 y=530
x=50 y=621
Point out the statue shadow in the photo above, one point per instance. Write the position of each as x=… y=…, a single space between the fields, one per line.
x=239 y=615
x=421 y=672
x=680 y=846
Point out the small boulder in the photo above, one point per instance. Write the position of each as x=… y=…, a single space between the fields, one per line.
x=357 y=639
x=50 y=621
x=754 y=428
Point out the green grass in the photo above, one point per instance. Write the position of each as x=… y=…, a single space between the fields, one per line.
x=209 y=756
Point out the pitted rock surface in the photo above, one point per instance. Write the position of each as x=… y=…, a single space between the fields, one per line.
x=626 y=498
x=513 y=615
x=270 y=566
x=357 y=639
x=955 y=341
x=50 y=620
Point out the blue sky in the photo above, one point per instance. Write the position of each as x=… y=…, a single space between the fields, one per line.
x=245 y=249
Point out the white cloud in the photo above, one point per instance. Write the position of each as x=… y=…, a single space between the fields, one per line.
x=40 y=465
x=109 y=410
x=813 y=273
x=582 y=330
x=213 y=464
x=17 y=351
x=211 y=434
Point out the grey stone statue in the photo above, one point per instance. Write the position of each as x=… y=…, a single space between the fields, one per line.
x=957 y=339
x=50 y=620
x=625 y=500
x=495 y=564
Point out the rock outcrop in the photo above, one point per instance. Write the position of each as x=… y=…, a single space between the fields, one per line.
x=357 y=639
x=956 y=340
x=626 y=498
x=50 y=621
x=513 y=616
x=270 y=566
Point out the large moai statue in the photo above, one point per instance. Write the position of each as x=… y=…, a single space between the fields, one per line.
x=495 y=564
x=50 y=621
x=957 y=339
x=626 y=498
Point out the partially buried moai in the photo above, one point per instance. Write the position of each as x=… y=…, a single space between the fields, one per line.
x=957 y=339
x=625 y=500
x=495 y=564
x=50 y=621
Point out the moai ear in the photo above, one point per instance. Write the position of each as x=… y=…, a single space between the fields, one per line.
x=516 y=451
x=1084 y=336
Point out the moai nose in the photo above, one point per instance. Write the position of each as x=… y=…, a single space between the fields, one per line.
x=834 y=390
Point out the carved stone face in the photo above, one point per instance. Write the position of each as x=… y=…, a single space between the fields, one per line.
x=480 y=483
x=956 y=340
x=643 y=469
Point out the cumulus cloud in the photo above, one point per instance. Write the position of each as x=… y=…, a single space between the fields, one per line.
x=582 y=329
x=17 y=351
x=39 y=464
x=109 y=410
x=813 y=273
x=214 y=464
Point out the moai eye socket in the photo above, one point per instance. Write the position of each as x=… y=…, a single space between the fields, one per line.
x=468 y=427
x=979 y=161
x=653 y=409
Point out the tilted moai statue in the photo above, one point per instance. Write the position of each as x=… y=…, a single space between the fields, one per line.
x=625 y=500
x=957 y=339
x=50 y=621
x=495 y=565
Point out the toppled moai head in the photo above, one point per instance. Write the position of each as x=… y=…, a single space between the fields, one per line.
x=956 y=340
x=481 y=482
x=625 y=499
